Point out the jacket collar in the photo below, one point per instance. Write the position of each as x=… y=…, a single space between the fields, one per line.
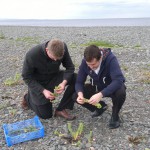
x=44 y=45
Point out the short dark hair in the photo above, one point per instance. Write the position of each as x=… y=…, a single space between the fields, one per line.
x=92 y=52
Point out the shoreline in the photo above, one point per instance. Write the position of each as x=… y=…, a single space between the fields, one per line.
x=78 y=22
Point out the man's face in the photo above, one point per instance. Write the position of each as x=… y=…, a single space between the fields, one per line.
x=94 y=64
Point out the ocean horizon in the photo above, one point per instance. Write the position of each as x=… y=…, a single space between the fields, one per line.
x=77 y=22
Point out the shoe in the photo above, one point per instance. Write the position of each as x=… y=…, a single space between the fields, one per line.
x=64 y=114
x=24 y=104
x=114 y=122
x=100 y=111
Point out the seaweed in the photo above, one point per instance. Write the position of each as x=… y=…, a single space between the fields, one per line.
x=98 y=105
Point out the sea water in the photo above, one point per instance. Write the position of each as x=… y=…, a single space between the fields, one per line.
x=77 y=22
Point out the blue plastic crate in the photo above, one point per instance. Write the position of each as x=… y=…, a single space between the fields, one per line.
x=23 y=131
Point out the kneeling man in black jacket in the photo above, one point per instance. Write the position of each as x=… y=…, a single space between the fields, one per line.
x=41 y=72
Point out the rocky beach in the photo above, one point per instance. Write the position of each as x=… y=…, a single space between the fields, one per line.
x=131 y=45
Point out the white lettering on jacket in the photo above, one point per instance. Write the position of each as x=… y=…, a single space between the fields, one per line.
x=104 y=79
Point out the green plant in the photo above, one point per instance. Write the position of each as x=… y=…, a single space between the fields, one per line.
x=137 y=46
x=56 y=132
x=73 y=45
x=75 y=134
x=99 y=43
x=29 y=129
x=30 y=40
x=14 y=132
x=13 y=81
x=13 y=111
x=119 y=45
x=98 y=105
x=24 y=130
x=55 y=89
x=90 y=136
x=77 y=144
x=2 y=36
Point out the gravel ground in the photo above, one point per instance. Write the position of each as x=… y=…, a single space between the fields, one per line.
x=132 y=50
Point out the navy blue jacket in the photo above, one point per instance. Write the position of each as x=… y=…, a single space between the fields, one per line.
x=109 y=78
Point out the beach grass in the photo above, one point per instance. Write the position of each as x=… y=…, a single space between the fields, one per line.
x=99 y=44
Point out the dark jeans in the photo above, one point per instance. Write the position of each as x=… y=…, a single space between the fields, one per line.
x=117 y=97
x=45 y=111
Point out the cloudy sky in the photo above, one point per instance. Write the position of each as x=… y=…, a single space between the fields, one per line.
x=74 y=9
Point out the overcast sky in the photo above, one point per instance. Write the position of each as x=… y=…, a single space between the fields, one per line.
x=73 y=9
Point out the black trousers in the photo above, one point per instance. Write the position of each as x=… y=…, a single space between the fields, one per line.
x=45 y=111
x=117 y=97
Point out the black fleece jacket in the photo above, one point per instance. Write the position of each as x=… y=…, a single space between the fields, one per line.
x=39 y=69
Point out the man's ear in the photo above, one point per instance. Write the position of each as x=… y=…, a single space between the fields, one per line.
x=46 y=49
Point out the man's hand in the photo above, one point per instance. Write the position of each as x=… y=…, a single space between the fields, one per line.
x=95 y=98
x=80 y=98
x=61 y=87
x=49 y=95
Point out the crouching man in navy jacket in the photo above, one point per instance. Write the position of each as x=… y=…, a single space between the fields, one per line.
x=106 y=80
